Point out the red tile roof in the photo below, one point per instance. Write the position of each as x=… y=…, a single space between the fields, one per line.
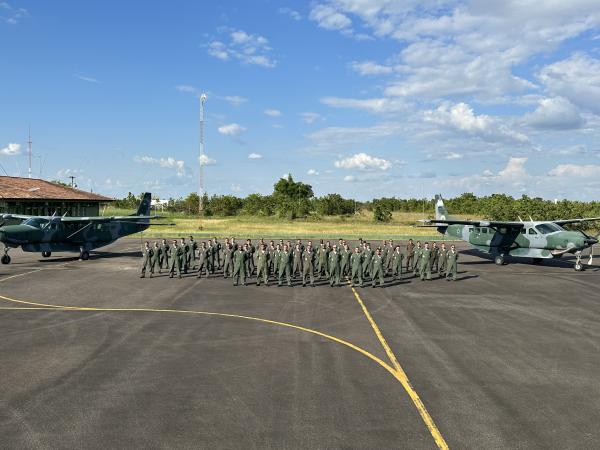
x=36 y=189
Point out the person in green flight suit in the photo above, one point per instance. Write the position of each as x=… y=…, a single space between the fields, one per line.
x=158 y=253
x=410 y=256
x=191 y=257
x=416 y=257
x=297 y=267
x=333 y=262
x=367 y=258
x=239 y=266
x=185 y=249
x=277 y=260
x=452 y=263
x=228 y=251
x=165 y=255
x=356 y=267
x=345 y=260
x=176 y=255
x=271 y=251
x=435 y=257
x=285 y=265
x=250 y=260
x=203 y=260
x=396 y=265
x=217 y=250
x=262 y=265
x=322 y=261
x=425 y=262
x=377 y=269
x=155 y=258
x=389 y=255
x=308 y=266
x=210 y=256
x=146 y=259
x=443 y=257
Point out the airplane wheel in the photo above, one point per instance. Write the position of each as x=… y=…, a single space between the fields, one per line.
x=578 y=267
x=499 y=260
x=85 y=255
x=5 y=259
x=46 y=254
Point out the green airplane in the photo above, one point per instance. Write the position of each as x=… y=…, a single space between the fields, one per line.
x=46 y=234
x=522 y=239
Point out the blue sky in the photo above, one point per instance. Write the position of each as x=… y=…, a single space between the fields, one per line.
x=367 y=98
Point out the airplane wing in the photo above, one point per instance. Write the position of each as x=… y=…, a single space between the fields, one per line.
x=568 y=221
x=105 y=219
x=475 y=223
x=21 y=216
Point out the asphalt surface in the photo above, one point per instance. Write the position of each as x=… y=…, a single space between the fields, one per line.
x=505 y=357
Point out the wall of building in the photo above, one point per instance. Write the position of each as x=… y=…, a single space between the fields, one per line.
x=47 y=208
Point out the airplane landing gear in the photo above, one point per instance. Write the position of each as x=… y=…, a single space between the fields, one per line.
x=578 y=265
x=46 y=254
x=499 y=260
x=5 y=258
x=84 y=255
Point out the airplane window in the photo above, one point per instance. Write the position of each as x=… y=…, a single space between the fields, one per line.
x=470 y=230
x=477 y=230
x=546 y=228
x=484 y=230
x=37 y=222
x=532 y=231
x=523 y=231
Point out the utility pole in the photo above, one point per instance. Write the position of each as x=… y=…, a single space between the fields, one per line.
x=202 y=157
x=72 y=180
x=29 y=150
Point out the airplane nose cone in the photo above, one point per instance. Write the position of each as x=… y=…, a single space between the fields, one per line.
x=591 y=241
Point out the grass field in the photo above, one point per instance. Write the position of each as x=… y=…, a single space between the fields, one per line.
x=402 y=226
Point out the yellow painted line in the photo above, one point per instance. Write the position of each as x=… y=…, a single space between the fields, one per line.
x=403 y=378
x=396 y=371
x=19 y=275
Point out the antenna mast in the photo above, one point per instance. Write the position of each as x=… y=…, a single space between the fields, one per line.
x=29 y=150
x=202 y=157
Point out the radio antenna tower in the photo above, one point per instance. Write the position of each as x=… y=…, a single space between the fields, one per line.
x=29 y=150
x=202 y=157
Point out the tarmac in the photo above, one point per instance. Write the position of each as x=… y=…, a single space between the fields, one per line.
x=92 y=357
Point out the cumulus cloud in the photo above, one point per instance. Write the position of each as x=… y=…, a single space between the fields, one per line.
x=235 y=100
x=204 y=160
x=312 y=172
x=349 y=178
x=188 y=89
x=168 y=163
x=461 y=117
x=370 y=68
x=363 y=161
x=11 y=149
x=11 y=14
x=555 y=114
x=273 y=112
x=576 y=78
x=251 y=49
x=291 y=13
x=329 y=17
x=254 y=156
x=575 y=170
x=232 y=129
x=330 y=138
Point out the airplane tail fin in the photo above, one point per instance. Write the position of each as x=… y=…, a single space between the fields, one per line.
x=144 y=208
x=440 y=209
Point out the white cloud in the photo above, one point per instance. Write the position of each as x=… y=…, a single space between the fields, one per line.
x=515 y=169
x=254 y=156
x=349 y=178
x=247 y=48
x=372 y=105
x=187 y=89
x=364 y=162
x=312 y=172
x=232 y=129
x=370 y=68
x=460 y=117
x=168 y=163
x=576 y=78
x=574 y=170
x=311 y=117
x=291 y=13
x=330 y=138
x=204 y=160
x=273 y=112
x=11 y=149
x=86 y=78
x=235 y=100
x=12 y=15
x=329 y=18
x=453 y=155
x=555 y=114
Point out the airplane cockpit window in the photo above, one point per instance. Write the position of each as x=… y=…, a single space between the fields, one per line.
x=36 y=222
x=546 y=228
x=532 y=231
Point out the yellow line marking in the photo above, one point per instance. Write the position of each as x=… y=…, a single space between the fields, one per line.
x=403 y=378
x=20 y=275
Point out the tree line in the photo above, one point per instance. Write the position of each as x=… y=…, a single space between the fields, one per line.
x=293 y=199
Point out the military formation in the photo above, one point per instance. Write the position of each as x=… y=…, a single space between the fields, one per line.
x=286 y=262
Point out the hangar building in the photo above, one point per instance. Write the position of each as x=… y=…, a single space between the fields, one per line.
x=36 y=197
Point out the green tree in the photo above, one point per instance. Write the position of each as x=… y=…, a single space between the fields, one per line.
x=382 y=213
